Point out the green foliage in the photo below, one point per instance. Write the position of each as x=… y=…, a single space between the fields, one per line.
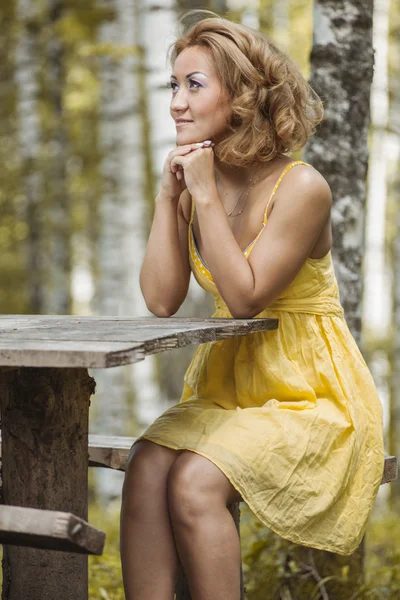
x=383 y=555
x=105 y=575
x=269 y=562
x=263 y=557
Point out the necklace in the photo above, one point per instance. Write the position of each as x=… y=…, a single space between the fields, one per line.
x=252 y=181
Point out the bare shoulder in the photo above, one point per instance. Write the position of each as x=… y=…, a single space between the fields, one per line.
x=311 y=182
x=185 y=205
x=305 y=189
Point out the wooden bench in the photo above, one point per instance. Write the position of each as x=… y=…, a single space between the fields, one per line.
x=55 y=530
x=110 y=452
x=48 y=529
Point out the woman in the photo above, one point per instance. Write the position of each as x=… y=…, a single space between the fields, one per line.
x=288 y=420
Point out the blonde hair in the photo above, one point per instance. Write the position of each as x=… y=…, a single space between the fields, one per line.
x=274 y=109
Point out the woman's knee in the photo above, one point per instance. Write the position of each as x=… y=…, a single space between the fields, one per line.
x=147 y=469
x=196 y=486
x=193 y=485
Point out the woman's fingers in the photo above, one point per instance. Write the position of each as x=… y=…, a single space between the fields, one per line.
x=205 y=144
x=175 y=167
x=182 y=150
x=176 y=163
x=179 y=151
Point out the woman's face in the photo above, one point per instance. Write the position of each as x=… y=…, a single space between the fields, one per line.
x=198 y=98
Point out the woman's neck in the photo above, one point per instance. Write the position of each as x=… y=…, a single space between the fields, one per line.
x=232 y=176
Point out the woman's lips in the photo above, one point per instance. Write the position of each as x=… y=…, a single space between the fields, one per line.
x=180 y=123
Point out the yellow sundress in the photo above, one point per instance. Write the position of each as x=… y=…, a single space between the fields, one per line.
x=290 y=416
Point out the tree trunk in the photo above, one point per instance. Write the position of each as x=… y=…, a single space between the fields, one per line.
x=155 y=31
x=376 y=309
x=152 y=32
x=342 y=66
x=123 y=229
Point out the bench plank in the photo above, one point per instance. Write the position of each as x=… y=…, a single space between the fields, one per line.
x=390 y=472
x=113 y=451
x=49 y=530
x=109 y=451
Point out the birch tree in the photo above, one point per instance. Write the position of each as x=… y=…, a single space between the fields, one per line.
x=341 y=73
x=111 y=413
x=380 y=317
x=342 y=66
x=123 y=219
x=156 y=30
x=377 y=297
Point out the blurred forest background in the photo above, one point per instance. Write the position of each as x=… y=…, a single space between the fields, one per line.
x=84 y=132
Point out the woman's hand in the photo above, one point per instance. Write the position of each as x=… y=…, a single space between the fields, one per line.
x=197 y=168
x=173 y=181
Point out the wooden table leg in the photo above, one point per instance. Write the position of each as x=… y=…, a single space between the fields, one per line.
x=44 y=424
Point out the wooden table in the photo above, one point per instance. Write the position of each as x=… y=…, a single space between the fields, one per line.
x=45 y=394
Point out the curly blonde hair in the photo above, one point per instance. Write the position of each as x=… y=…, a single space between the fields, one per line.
x=274 y=109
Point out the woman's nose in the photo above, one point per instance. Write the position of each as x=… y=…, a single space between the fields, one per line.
x=179 y=100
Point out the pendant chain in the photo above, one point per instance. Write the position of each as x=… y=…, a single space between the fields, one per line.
x=252 y=181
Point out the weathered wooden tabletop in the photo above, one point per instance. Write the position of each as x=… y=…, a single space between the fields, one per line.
x=45 y=391
x=100 y=342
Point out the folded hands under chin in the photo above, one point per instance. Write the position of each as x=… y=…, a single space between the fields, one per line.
x=197 y=168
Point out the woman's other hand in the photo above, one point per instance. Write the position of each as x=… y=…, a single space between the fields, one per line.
x=196 y=169
x=173 y=181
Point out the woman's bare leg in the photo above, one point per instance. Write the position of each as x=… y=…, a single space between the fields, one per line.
x=205 y=532
x=148 y=554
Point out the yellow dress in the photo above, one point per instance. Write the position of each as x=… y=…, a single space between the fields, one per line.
x=290 y=416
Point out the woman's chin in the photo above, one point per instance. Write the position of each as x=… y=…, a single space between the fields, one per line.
x=183 y=138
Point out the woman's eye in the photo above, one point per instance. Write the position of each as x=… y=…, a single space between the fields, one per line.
x=174 y=86
x=196 y=83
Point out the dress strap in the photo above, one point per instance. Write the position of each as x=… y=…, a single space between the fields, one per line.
x=282 y=175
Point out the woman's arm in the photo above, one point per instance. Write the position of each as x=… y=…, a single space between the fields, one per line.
x=165 y=273
x=300 y=213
